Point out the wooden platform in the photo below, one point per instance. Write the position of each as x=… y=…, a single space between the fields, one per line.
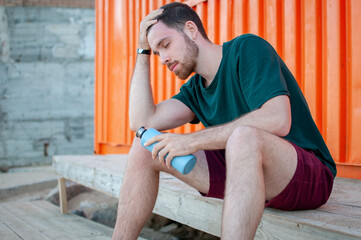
x=340 y=218
x=39 y=220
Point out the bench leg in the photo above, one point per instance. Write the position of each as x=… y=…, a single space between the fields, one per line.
x=62 y=196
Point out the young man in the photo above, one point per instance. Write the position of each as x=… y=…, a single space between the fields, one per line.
x=260 y=147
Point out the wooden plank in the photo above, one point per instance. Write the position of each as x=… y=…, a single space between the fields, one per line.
x=93 y=230
x=278 y=226
x=59 y=223
x=39 y=223
x=7 y=232
x=178 y=201
x=47 y=220
x=185 y=206
x=63 y=196
x=93 y=171
x=19 y=227
x=346 y=192
x=341 y=209
x=44 y=222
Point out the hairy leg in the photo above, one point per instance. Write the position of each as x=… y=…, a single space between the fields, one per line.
x=140 y=188
x=137 y=195
x=259 y=167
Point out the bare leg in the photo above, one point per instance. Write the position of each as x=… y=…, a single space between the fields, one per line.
x=259 y=167
x=137 y=196
x=140 y=188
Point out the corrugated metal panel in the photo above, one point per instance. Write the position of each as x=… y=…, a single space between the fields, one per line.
x=320 y=41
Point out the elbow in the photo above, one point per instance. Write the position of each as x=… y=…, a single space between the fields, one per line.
x=134 y=126
x=284 y=127
x=136 y=122
x=283 y=132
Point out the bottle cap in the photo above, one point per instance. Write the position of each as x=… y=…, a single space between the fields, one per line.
x=140 y=132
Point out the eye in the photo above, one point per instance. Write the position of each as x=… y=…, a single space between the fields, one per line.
x=166 y=44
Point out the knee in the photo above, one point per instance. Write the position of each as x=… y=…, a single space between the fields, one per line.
x=243 y=138
x=138 y=155
x=140 y=158
x=243 y=144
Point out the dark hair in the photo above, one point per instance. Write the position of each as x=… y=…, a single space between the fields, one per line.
x=176 y=14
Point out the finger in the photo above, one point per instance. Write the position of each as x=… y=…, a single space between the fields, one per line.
x=168 y=160
x=147 y=24
x=151 y=141
x=162 y=155
x=156 y=148
x=155 y=13
x=156 y=138
x=155 y=152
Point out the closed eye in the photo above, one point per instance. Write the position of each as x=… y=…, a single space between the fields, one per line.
x=166 y=44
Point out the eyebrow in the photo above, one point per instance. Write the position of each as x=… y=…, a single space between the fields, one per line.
x=159 y=43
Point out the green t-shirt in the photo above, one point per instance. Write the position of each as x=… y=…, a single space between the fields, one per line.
x=250 y=74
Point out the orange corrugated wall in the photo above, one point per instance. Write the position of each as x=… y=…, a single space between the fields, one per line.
x=320 y=41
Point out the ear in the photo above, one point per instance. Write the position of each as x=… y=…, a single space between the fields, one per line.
x=191 y=29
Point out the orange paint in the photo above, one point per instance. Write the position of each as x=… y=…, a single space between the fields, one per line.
x=320 y=41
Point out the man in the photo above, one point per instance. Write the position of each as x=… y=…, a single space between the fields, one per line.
x=260 y=147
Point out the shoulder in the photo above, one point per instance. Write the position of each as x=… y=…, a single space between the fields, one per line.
x=247 y=43
x=247 y=39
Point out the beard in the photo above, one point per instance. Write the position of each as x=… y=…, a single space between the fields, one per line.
x=189 y=61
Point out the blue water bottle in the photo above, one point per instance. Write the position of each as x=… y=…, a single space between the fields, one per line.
x=183 y=164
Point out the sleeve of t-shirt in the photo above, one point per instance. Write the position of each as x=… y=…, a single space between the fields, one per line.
x=184 y=96
x=259 y=69
x=183 y=93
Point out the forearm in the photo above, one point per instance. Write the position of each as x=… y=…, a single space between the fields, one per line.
x=213 y=138
x=141 y=103
x=268 y=118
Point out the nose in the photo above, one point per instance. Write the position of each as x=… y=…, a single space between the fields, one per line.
x=164 y=59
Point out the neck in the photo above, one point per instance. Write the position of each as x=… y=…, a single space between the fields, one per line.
x=209 y=59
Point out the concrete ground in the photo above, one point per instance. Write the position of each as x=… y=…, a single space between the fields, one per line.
x=30 y=183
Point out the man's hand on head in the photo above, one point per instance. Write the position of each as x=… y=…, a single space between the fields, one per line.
x=146 y=23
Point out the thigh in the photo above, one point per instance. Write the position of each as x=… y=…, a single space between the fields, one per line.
x=209 y=174
x=279 y=161
x=292 y=171
x=198 y=178
x=279 y=165
x=310 y=186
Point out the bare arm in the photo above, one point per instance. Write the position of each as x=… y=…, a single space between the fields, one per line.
x=274 y=116
x=142 y=110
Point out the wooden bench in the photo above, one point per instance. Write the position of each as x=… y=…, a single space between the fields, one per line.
x=340 y=218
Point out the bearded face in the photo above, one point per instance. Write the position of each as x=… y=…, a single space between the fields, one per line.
x=189 y=61
x=175 y=49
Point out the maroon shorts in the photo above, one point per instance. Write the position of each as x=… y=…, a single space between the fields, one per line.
x=309 y=188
